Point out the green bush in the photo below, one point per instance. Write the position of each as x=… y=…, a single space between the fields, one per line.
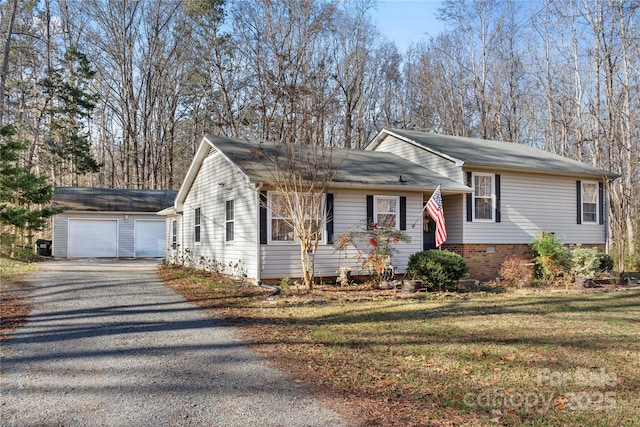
x=553 y=257
x=606 y=262
x=590 y=262
x=25 y=254
x=285 y=285
x=438 y=270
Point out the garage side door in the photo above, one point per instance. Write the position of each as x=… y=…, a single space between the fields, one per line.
x=150 y=238
x=93 y=238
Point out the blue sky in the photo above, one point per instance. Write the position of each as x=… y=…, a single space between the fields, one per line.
x=407 y=21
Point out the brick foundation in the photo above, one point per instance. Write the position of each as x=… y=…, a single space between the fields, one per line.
x=484 y=260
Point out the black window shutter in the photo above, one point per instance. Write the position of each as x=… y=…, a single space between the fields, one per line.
x=369 y=212
x=469 y=198
x=329 y=212
x=601 y=201
x=263 y=217
x=403 y=213
x=497 y=178
x=579 y=202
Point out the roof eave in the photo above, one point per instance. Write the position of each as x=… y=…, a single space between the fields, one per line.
x=461 y=189
x=494 y=167
x=458 y=189
x=167 y=212
x=100 y=212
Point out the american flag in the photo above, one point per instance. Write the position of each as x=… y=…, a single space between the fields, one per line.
x=434 y=208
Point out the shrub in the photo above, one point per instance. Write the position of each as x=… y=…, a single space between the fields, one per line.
x=285 y=285
x=606 y=262
x=589 y=262
x=515 y=271
x=438 y=270
x=553 y=257
x=25 y=254
x=374 y=247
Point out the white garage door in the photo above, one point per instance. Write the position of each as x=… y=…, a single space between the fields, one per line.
x=93 y=238
x=150 y=238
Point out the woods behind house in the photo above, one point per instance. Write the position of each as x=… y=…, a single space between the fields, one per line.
x=118 y=94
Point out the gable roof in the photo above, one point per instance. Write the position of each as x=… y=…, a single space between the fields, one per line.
x=111 y=199
x=474 y=152
x=355 y=168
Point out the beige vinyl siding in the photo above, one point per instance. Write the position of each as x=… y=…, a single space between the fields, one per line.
x=126 y=224
x=216 y=182
x=350 y=212
x=60 y=234
x=126 y=238
x=420 y=156
x=453 y=207
x=531 y=203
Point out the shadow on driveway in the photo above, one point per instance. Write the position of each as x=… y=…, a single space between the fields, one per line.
x=108 y=344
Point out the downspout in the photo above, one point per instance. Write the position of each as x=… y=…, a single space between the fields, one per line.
x=258 y=247
x=182 y=229
x=605 y=200
x=53 y=233
x=275 y=290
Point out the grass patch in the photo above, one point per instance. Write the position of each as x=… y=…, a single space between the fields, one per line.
x=525 y=358
x=12 y=270
x=14 y=292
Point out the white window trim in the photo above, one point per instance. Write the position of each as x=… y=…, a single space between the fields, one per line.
x=228 y=221
x=375 y=209
x=174 y=234
x=582 y=202
x=493 y=197
x=295 y=240
x=197 y=226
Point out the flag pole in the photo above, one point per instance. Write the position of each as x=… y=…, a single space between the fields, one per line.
x=424 y=207
x=419 y=215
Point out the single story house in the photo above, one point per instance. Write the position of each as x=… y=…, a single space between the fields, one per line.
x=223 y=209
x=497 y=196
x=109 y=222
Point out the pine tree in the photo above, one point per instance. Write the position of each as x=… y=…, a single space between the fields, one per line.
x=24 y=194
x=73 y=103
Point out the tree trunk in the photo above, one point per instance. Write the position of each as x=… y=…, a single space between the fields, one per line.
x=5 y=61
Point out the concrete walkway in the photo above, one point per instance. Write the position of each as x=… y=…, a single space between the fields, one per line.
x=108 y=345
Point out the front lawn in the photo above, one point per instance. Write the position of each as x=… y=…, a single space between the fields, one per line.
x=514 y=358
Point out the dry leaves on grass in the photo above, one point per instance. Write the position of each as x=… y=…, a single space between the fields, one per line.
x=15 y=309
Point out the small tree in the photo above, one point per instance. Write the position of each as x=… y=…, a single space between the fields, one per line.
x=380 y=246
x=299 y=175
x=22 y=192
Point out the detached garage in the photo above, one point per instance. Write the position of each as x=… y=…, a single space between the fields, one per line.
x=109 y=222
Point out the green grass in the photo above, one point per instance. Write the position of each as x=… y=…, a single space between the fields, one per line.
x=11 y=270
x=516 y=358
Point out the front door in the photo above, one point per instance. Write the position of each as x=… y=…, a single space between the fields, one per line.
x=428 y=233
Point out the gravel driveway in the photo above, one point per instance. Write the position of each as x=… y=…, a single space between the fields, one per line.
x=108 y=345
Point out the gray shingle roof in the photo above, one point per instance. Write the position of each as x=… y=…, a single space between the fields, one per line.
x=498 y=154
x=355 y=167
x=111 y=199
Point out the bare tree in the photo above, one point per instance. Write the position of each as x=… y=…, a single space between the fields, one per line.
x=5 y=57
x=300 y=176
